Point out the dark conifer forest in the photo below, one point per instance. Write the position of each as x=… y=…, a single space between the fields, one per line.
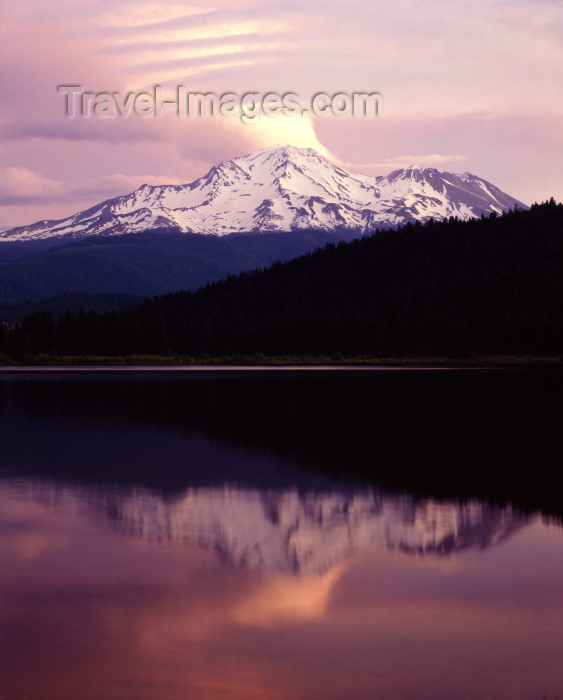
x=486 y=286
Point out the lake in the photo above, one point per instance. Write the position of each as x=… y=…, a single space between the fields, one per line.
x=281 y=534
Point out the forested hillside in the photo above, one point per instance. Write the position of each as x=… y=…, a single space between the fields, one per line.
x=460 y=289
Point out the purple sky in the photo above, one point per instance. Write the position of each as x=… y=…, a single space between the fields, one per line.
x=468 y=86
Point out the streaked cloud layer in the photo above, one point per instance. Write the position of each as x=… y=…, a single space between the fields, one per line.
x=468 y=86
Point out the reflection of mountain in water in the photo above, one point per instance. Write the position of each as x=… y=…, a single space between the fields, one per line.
x=305 y=532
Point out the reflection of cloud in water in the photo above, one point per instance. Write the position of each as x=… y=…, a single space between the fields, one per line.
x=298 y=532
x=288 y=598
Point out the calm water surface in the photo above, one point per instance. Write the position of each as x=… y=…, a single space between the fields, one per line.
x=358 y=535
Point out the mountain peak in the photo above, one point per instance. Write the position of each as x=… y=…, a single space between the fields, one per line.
x=281 y=154
x=284 y=149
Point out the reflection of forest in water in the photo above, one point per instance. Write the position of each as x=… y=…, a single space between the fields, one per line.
x=468 y=434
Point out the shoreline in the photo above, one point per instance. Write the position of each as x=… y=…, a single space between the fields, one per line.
x=279 y=363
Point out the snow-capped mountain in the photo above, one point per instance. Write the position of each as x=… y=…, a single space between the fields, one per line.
x=280 y=189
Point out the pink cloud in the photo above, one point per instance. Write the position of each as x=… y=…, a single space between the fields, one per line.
x=21 y=184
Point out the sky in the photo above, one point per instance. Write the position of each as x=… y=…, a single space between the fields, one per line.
x=474 y=85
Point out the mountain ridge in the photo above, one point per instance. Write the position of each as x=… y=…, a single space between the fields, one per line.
x=281 y=188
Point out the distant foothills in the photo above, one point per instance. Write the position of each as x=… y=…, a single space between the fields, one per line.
x=489 y=286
